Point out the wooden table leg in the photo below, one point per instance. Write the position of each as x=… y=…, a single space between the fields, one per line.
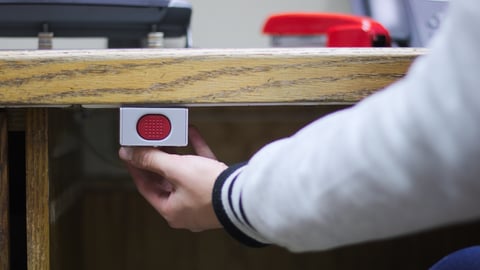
x=4 y=196
x=37 y=189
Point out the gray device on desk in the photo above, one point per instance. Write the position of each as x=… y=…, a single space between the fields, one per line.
x=411 y=23
x=113 y=19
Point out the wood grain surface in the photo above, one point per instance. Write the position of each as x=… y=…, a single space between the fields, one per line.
x=4 y=196
x=198 y=76
x=37 y=189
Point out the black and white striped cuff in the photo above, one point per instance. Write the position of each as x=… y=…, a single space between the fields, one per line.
x=227 y=203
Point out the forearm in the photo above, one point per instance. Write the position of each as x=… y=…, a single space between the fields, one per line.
x=400 y=161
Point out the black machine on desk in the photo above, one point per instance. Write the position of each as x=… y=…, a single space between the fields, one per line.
x=126 y=23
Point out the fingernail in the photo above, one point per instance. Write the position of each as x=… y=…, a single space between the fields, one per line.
x=125 y=153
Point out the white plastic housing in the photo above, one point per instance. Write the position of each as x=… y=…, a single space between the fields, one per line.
x=129 y=118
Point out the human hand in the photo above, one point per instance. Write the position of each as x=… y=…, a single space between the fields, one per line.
x=179 y=187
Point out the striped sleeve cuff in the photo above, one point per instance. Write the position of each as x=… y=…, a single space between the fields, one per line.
x=227 y=203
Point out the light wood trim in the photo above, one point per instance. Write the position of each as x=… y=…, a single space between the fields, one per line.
x=4 y=196
x=37 y=191
x=194 y=76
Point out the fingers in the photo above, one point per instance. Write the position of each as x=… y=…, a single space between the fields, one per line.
x=152 y=187
x=148 y=182
x=152 y=160
x=199 y=145
x=178 y=187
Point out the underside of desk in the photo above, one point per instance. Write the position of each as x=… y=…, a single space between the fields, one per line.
x=81 y=208
x=83 y=211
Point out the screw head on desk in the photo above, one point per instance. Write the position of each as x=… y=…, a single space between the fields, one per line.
x=45 y=40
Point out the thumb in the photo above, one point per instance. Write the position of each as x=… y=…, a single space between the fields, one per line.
x=199 y=145
x=150 y=159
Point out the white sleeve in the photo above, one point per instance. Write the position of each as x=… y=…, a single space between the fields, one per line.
x=403 y=160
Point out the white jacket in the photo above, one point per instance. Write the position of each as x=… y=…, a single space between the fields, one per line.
x=402 y=160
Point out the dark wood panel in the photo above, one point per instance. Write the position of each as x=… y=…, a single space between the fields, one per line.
x=123 y=232
x=109 y=226
x=65 y=174
x=4 y=196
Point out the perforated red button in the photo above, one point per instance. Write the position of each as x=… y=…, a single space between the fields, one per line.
x=154 y=127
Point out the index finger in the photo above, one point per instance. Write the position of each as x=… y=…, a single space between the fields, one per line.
x=151 y=159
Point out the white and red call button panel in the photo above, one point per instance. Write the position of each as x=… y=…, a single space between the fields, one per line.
x=153 y=126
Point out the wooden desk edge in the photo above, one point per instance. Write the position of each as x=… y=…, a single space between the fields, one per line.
x=198 y=76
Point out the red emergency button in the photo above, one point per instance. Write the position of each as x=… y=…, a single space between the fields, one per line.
x=154 y=127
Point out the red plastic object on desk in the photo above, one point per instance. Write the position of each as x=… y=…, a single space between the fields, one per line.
x=340 y=30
